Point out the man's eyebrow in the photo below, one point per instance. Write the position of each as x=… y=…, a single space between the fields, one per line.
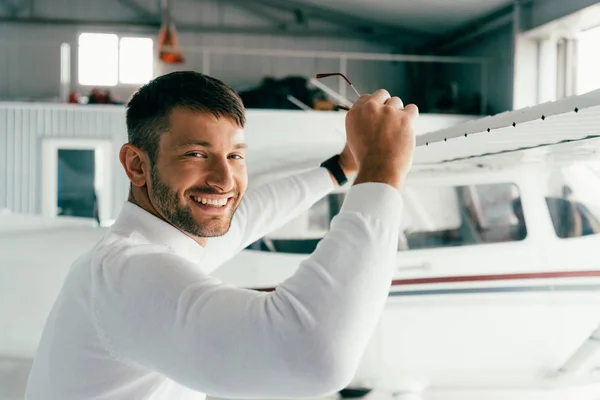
x=195 y=143
x=238 y=146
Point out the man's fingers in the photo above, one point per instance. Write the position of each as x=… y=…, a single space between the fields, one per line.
x=412 y=109
x=395 y=102
x=380 y=96
x=361 y=100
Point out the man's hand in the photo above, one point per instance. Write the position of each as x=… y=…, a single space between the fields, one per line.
x=380 y=136
x=348 y=162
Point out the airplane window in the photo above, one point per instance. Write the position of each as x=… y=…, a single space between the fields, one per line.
x=573 y=199
x=482 y=214
x=433 y=217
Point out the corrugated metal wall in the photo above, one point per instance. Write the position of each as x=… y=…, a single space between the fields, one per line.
x=23 y=127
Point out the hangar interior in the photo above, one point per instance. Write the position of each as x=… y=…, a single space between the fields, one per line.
x=496 y=291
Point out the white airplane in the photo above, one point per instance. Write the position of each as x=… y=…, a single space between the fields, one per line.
x=496 y=293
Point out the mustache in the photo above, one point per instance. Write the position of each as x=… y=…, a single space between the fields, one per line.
x=209 y=190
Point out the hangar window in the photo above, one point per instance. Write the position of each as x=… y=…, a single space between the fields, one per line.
x=433 y=217
x=107 y=60
x=135 y=60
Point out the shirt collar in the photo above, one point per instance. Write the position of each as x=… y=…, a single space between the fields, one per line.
x=142 y=226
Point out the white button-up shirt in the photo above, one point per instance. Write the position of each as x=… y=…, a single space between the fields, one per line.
x=139 y=316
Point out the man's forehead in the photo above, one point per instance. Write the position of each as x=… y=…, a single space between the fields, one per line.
x=187 y=128
x=184 y=116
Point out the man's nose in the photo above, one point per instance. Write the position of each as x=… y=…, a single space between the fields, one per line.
x=220 y=175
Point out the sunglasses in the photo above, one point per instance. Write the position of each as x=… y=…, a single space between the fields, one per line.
x=341 y=107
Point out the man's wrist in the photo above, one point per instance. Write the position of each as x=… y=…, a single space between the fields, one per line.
x=348 y=171
x=381 y=174
x=348 y=166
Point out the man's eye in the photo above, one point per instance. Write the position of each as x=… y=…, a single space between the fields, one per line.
x=194 y=154
x=236 y=156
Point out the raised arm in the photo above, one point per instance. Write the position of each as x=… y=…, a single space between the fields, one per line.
x=270 y=206
x=304 y=339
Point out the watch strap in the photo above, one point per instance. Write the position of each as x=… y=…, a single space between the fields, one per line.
x=333 y=165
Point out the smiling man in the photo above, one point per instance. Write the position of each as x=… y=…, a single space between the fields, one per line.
x=139 y=316
x=202 y=171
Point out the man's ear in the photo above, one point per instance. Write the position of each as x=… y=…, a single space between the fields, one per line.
x=135 y=162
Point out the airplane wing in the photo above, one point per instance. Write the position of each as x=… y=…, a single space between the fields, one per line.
x=560 y=131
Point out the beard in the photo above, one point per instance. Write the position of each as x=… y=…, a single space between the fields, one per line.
x=180 y=215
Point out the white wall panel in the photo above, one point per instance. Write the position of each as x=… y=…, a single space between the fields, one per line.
x=23 y=127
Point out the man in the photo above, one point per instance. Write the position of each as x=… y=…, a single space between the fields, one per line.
x=139 y=317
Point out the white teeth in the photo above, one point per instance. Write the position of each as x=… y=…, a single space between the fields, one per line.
x=210 y=202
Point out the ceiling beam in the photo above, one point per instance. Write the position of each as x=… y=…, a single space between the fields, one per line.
x=470 y=31
x=153 y=27
x=362 y=26
x=523 y=15
x=543 y=12
x=260 y=11
x=141 y=11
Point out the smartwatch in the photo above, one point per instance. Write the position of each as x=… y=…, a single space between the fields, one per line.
x=333 y=165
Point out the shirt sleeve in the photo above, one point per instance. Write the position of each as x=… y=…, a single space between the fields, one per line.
x=304 y=339
x=267 y=208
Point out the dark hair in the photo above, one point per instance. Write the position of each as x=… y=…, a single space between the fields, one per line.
x=149 y=109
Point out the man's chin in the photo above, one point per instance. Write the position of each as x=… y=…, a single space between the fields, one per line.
x=212 y=228
x=201 y=227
